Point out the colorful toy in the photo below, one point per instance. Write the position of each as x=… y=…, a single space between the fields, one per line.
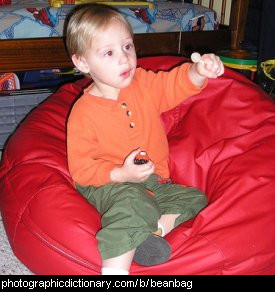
x=141 y=158
x=241 y=61
x=9 y=81
x=132 y=4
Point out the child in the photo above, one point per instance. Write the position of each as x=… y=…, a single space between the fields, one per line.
x=118 y=116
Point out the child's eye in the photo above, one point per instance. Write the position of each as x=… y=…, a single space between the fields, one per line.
x=128 y=46
x=109 y=53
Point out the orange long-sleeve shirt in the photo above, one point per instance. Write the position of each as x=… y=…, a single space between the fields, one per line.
x=102 y=132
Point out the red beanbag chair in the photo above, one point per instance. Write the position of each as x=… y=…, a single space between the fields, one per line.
x=222 y=141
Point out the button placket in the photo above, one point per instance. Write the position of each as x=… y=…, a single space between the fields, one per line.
x=129 y=114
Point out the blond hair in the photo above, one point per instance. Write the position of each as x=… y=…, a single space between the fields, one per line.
x=85 y=22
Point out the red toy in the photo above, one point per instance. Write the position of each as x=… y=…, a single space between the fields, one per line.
x=222 y=141
x=141 y=158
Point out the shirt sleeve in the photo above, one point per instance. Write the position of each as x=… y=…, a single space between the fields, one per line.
x=168 y=89
x=82 y=148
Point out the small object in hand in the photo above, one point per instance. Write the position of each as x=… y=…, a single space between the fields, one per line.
x=141 y=158
x=196 y=58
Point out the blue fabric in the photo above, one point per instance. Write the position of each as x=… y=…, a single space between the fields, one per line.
x=34 y=18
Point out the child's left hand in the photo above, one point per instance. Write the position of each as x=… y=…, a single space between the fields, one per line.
x=206 y=66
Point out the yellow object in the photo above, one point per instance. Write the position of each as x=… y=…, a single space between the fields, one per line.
x=158 y=232
x=141 y=4
x=267 y=67
x=252 y=68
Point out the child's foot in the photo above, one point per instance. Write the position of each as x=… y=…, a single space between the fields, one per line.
x=155 y=250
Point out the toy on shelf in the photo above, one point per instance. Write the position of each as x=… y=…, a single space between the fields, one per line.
x=132 y=4
x=242 y=61
x=9 y=81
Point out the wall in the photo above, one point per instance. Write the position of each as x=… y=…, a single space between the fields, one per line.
x=217 y=7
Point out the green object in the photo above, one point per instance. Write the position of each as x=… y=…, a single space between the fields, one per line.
x=239 y=59
x=242 y=62
x=130 y=214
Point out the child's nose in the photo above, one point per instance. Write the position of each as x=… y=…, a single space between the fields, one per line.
x=123 y=56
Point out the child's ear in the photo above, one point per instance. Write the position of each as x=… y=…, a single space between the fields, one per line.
x=80 y=63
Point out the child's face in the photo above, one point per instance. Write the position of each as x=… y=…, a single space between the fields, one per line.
x=111 y=59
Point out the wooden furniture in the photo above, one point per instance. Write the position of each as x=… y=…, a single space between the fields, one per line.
x=46 y=53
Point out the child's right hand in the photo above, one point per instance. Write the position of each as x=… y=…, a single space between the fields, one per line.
x=131 y=172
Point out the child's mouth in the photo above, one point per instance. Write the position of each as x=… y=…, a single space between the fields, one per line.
x=125 y=74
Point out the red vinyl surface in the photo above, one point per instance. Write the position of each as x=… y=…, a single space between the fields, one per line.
x=222 y=141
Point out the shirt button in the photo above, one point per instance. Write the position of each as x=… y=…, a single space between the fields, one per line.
x=124 y=105
x=132 y=124
x=129 y=113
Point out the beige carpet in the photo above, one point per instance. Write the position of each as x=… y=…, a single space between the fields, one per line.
x=9 y=264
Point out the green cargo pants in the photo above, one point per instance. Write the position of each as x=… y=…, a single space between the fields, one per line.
x=129 y=213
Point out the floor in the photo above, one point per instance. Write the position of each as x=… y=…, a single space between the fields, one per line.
x=9 y=264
